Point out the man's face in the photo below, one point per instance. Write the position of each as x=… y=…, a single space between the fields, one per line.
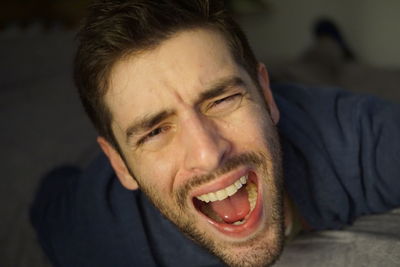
x=196 y=134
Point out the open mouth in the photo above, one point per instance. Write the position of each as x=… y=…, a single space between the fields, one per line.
x=233 y=209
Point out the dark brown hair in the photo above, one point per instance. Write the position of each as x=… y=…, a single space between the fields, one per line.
x=117 y=28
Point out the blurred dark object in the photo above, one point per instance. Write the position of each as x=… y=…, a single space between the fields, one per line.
x=325 y=28
x=329 y=61
x=328 y=52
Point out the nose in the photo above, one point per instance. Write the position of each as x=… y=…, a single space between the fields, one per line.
x=205 y=147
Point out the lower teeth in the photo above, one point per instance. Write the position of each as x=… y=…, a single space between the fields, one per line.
x=252 y=198
x=238 y=222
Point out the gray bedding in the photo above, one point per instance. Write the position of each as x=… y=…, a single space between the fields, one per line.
x=371 y=241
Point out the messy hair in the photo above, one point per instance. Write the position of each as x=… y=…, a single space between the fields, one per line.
x=114 y=29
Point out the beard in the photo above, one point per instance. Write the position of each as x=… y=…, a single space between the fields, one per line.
x=262 y=249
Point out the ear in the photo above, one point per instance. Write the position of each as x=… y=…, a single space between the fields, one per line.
x=118 y=164
x=263 y=79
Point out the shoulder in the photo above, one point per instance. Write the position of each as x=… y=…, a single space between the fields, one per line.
x=78 y=219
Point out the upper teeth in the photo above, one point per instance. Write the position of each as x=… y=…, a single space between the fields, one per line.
x=225 y=192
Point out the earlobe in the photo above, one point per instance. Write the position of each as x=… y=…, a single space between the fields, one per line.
x=263 y=79
x=118 y=164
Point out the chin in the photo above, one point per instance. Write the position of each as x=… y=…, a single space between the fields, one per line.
x=236 y=213
x=261 y=250
x=251 y=234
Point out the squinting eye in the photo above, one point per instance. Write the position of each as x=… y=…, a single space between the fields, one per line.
x=225 y=105
x=153 y=134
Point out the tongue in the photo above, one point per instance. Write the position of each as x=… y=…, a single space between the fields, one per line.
x=233 y=208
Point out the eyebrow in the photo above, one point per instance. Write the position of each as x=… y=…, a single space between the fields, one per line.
x=147 y=122
x=150 y=120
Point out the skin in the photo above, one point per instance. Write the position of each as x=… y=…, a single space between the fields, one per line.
x=202 y=142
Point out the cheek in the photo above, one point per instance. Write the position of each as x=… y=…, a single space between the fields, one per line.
x=155 y=172
x=250 y=128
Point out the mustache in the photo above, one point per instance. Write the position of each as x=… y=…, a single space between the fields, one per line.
x=250 y=158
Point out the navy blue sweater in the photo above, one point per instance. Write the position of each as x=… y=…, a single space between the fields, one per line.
x=341 y=157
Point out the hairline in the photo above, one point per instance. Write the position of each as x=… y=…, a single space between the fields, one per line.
x=131 y=53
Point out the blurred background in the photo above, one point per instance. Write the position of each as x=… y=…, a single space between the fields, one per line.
x=352 y=44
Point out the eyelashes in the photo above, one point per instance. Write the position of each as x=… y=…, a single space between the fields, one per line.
x=153 y=134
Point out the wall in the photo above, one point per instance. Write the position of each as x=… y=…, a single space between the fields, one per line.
x=371 y=27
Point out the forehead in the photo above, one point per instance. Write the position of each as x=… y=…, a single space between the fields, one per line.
x=173 y=73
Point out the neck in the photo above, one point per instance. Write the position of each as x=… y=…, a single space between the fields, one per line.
x=293 y=222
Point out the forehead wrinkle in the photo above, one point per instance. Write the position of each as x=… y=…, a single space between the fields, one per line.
x=176 y=82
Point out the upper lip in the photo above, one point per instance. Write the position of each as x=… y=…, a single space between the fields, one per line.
x=220 y=183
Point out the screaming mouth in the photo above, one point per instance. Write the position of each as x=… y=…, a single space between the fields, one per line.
x=231 y=205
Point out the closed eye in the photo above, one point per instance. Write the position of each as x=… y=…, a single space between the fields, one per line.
x=224 y=105
x=226 y=99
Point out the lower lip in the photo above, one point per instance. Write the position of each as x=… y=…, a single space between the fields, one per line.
x=249 y=226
